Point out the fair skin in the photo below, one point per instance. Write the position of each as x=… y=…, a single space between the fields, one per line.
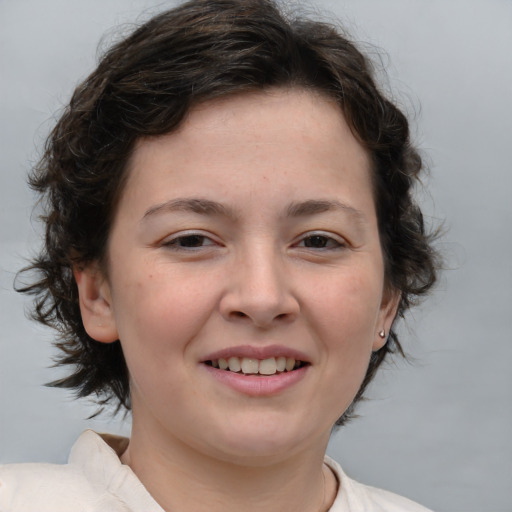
x=249 y=233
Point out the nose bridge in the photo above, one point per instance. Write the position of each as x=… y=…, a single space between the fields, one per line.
x=259 y=289
x=263 y=273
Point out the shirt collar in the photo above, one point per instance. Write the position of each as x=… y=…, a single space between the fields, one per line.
x=97 y=455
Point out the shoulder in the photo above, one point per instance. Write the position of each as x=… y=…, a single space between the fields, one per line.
x=62 y=488
x=41 y=488
x=354 y=496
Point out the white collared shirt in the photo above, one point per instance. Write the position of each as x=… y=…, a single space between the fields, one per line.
x=95 y=480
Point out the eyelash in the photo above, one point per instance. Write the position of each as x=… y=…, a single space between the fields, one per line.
x=197 y=241
x=174 y=243
x=329 y=242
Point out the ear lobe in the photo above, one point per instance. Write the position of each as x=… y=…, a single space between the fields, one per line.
x=96 y=304
x=388 y=310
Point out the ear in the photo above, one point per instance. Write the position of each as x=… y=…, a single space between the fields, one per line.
x=96 y=303
x=387 y=314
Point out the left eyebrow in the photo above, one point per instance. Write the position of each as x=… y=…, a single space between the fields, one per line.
x=314 y=206
x=194 y=205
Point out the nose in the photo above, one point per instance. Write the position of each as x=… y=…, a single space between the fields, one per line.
x=260 y=290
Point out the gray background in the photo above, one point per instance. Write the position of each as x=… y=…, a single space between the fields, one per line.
x=439 y=430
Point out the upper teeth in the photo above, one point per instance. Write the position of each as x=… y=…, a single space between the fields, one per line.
x=248 y=365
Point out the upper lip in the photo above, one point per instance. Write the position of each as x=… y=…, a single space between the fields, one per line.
x=257 y=352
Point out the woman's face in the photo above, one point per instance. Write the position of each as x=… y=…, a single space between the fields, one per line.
x=248 y=235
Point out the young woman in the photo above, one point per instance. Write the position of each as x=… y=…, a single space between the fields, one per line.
x=230 y=235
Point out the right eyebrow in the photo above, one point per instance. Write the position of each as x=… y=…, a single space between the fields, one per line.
x=316 y=206
x=190 y=204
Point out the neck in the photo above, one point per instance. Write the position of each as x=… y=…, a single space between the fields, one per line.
x=172 y=472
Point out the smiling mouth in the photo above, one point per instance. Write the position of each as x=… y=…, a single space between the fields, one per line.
x=251 y=366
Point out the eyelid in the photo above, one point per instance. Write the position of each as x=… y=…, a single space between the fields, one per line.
x=170 y=241
x=341 y=241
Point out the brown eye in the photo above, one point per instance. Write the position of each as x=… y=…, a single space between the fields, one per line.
x=192 y=241
x=316 y=242
x=320 y=242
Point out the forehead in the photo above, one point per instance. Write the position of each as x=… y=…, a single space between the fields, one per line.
x=291 y=137
x=291 y=115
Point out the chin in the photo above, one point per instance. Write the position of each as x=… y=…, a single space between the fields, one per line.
x=262 y=442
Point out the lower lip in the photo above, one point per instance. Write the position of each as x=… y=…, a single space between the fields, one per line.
x=258 y=385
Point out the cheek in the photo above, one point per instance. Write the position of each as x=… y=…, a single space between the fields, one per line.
x=346 y=316
x=345 y=322
x=158 y=314
x=157 y=324
x=351 y=303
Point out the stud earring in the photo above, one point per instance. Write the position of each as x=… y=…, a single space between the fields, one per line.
x=382 y=334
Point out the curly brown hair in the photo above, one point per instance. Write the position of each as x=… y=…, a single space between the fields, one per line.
x=144 y=86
